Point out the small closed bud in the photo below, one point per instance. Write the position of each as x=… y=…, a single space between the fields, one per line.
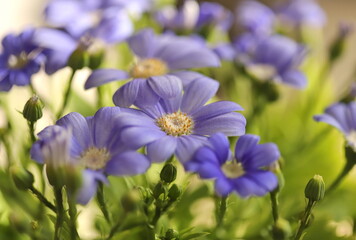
x=78 y=59
x=22 y=178
x=130 y=200
x=174 y=192
x=32 y=110
x=171 y=234
x=158 y=190
x=281 y=230
x=315 y=189
x=95 y=59
x=168 y=173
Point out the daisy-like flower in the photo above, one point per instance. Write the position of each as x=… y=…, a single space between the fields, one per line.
x=95 y=146
x=247 y=174
x=19 y=60
x=343 y=117
x=159 y=58
x=180 y=123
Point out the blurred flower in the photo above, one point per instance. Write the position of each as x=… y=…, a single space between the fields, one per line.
x=255 y=17
x=343 y=117
x=192 y=16
x=302 y=12
x=19 y=60
x=274 y=58
x=180 y=123
x=94 y=145
x=98 y=19
x=246 y=174
x=158 y=58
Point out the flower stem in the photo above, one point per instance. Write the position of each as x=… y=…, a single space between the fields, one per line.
x=274 y=205
x=43 y=199
x=60 y=212
x=305 y=218
x=116 y=228
x=72 y=218
x=67 y=94
x=347 y=168
x=31 y=127
x=221 y=210
x=102 y=203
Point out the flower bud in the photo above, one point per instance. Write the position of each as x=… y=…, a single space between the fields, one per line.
x=174 y=192
x=315 y=189
x=168 y=173
x=78 y=59
x=281 y=230
x=95 y=59
x=337 y=48
x=171 y=234
x=32 y=110
x=130 y=200
x=158 y=190
x=22 y=178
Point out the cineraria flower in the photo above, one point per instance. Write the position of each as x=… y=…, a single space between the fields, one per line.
x=343 y=117
x=95 y=145
x=302 y=12
x=158 y=59
x=255 y=17
x=98 y=19
x=19 y=60
x=180 y=123
x=192 y=16
x=247 y=174
x=273 y=58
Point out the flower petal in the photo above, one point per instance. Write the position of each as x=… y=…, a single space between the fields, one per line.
x=221 y=147
x=244 y=144
x=187 y=145
x=126 y=95
x=137 y=137
x=127 y=163
x=166 y=86
x=215 y=109
x=102 y=76
x=142 y=44
x=89 y=185
x=187 y=76
x=295 y=78
x=161 y=149
x=223 y=186
x=261 y=156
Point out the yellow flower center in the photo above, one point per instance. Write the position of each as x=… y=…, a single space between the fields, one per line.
x=233 y=169
x=95 y=158
x=176 y=124
x=17 y=62
x=148 y=68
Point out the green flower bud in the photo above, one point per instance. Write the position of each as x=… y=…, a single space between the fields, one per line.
x=158 y=190
x=95 y=59
x=130 y=200
x=174 y=192
x=79 y=59
x=168 y=173
x=281 y=230
x=315 y=189
x=171 y=234
x=32 y=110
x=22 y=178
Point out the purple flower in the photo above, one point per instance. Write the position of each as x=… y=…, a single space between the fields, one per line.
x=343 y=117
x=94 y=145
x=158 y=59
x=255 y=17
x=246 y=174
x=192 y=16
x=93 y=18
x=19 y=60
x=275 y=58
x=300 y=12
x=180 y=123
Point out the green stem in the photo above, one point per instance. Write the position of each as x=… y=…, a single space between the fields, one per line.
x=43 y=199
x=347 y=168
x=156 y=217
x=221 y=210
x=117 y=227
x=100 y=94
x=305 y=218
x=31 y=127
x=102 y=203
x=72 y=217
x=67 y=94
x=274 y=204
x=60 y=213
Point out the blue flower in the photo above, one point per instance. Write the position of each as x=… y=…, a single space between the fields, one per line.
x=343 y=117
x=19 y=60
x=94 y=145
x=159 y=58
x=274 y=58
x=180 y=123
x=302 y=12
x=246 y=175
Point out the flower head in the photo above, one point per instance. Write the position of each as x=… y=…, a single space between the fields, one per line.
x=246 y=174
x=180 y=123
x=158 y=59
x=95 y=146
x=343 y=117
x=19 y=60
